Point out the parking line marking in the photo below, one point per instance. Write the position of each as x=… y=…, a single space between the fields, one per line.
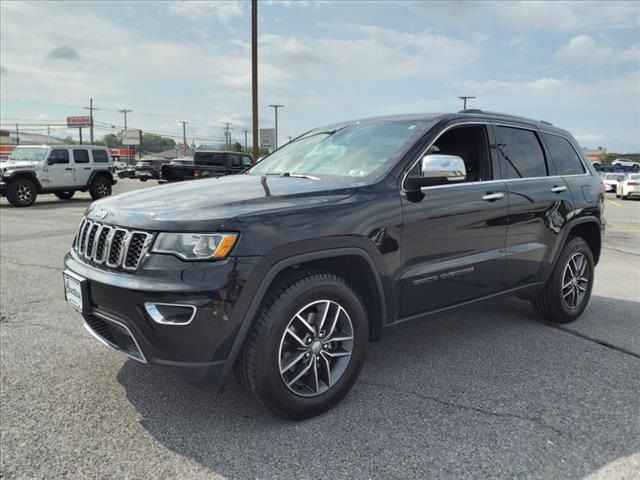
x=615 y=203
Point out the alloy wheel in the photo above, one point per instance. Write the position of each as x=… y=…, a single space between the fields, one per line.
x=103 y=189
x=316 y=348
x=24 y=193
x=575 y=280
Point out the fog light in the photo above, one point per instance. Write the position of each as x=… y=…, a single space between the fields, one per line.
x=170 y=313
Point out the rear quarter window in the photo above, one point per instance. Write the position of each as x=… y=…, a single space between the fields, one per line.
x=563 y=155
x=100 y=156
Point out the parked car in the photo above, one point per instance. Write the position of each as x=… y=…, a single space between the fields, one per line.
x=120 y=165
x=150 y=168
x=623 y=162
x=629 y=186
x=207 y=163
x=285 y=272
x=611 y=180
x=60 y=169
x=129 y=172
x=181 y=161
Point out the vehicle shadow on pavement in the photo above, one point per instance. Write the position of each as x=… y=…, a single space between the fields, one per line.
x=53 y=203
x=484 y=391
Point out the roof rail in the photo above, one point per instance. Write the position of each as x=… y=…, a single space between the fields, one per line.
x=471 y=110
x=476 y=110
x=546 y=123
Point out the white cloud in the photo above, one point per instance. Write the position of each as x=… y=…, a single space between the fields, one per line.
x=223 y=10
x=584 y=51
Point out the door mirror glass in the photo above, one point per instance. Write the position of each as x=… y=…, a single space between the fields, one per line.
x=449 y=168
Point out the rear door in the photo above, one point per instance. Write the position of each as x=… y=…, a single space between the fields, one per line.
x=454 y=237
x=82 y=165
x=540 y=203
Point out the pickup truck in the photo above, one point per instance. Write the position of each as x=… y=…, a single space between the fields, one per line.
x=206 y=164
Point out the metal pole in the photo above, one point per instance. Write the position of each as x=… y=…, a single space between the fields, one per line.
x=91 y=109
x=464 y=101
x=17 y=135
x=276 y=107
x=184 y=136
x=80 y=130
x=254 y=76
x=245 y=139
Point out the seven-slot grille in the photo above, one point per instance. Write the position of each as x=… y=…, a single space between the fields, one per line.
x=114 y=247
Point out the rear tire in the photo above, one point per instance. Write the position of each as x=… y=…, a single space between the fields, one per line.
x=100 y=187
x=566 y=294
x=294 y=369
x=22 y=192
x=143 y=179
x=65 y=195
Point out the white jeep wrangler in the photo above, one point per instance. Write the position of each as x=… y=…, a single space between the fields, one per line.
x=60 y=169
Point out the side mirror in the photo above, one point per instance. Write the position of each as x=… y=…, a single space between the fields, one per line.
x=51 y=161
x=438 y=169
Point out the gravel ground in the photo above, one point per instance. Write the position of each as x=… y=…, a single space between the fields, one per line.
x=483 y=392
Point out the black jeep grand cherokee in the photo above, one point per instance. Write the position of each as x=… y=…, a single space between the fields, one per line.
x=285 y=273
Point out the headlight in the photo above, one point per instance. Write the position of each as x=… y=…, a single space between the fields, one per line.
x=195 y=246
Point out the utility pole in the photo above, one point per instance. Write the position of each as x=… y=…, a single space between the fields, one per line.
x=276 y=107
x=184 y=136
x=245 y=139
x=464 y=100
x=227 y=135
x=254 y=76
x=17 y=135
x=124 y=111
x=91 y=108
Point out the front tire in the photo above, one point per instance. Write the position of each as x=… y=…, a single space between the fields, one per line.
x=307 y=346
x=22 y=192
x=100 y=188
x=566 y=294
x=65 y=195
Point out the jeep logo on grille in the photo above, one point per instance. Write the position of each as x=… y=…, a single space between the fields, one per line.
x=101 y=214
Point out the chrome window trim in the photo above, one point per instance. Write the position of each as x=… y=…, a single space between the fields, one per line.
x=193 y=313
x=484 y=182
x=104 y=341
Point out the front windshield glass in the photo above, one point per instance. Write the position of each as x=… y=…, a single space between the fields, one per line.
x=357 y=152
x=28 y=154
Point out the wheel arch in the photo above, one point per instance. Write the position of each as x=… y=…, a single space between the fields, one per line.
x=28 y=175
x=346 y=262
x=589 y=229
x=103 y=173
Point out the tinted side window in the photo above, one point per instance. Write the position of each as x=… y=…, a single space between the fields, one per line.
x=59 y=156
x=100 y=156
x=246 y=161
x=209 y=159
x=233 y=160
x=564 y=157
x=81 y=156
x=521 y=155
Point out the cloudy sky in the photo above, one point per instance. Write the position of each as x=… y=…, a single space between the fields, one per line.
x=575 y=64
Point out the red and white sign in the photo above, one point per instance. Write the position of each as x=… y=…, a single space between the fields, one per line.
x=79 y=122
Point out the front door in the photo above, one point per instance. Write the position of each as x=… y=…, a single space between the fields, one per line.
x=454 y=237
x=58 y=169
x=82 y=166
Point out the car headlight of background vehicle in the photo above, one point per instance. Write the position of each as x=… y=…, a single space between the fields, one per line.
x=195 y=246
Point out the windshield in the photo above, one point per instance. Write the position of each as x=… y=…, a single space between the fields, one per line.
x=614 y=177
x=29 y=154
x=362 y=152
x=634 y=177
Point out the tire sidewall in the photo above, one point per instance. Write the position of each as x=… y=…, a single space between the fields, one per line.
x=12 y=193
x=268 y=373
x=576 y=245
x=95 y=194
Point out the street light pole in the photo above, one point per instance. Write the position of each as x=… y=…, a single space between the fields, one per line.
x=254 y=75
x=464 y=100
x=91 y=109
x=245 y=139
x=184 y=136
x=276 y=107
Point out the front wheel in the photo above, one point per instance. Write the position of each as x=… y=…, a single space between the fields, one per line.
x=307 y=346
x=100 y=188
x=65 y=195
x=22 y=192
x=143 y=179
x=566 y=294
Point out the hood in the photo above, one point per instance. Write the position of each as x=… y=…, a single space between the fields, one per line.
x=204 y=205
x=19 y=165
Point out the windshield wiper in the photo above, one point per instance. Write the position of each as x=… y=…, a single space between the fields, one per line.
x=289 y=174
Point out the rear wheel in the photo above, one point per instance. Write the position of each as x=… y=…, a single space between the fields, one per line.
x=100 y=187
x=306 y=347
x=566 y=294
x=65 y=195
x=22 y=192
x=143 y=179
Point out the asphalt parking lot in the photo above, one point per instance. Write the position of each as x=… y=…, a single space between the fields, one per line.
x=482 y=392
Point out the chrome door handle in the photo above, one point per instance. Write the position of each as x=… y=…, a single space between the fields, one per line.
x=68 y=168
x=489 y=197
x=558 y=189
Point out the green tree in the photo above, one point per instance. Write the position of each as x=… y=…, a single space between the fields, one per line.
x=110 y=140
x=152 y=143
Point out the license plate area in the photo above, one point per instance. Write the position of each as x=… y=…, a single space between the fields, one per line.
x=75 y=291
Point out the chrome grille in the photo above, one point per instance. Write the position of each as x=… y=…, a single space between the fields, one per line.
x=115 y=247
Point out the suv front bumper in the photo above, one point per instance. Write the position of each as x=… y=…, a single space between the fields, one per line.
x=114 y=310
